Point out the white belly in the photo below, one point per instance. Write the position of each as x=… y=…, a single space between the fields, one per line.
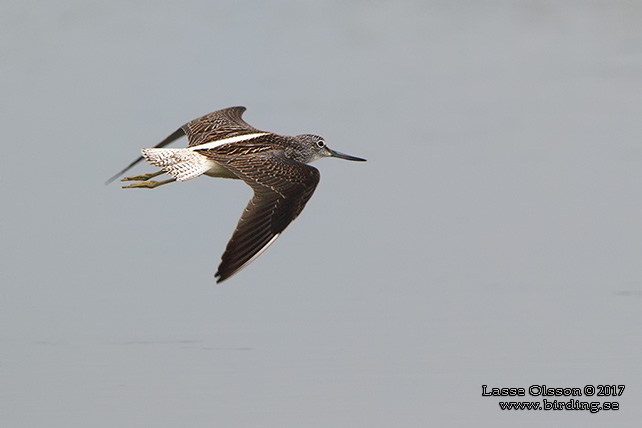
x=218 y=170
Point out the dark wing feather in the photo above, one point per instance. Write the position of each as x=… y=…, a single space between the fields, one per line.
x=211 y=127
x=217 y=126
x=281 y=187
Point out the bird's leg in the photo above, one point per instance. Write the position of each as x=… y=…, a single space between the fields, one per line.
x=143 y=177
x=148 y=184
x=143 y=181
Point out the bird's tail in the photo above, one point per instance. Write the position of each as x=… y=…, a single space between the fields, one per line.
x=182 y=164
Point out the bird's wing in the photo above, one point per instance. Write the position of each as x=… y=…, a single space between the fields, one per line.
x=217 y=126
x=281 y=187
x=214 y=126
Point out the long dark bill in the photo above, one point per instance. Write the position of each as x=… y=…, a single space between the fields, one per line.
x=346 y=157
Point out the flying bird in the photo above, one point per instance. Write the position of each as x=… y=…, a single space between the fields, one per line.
x=222 y=144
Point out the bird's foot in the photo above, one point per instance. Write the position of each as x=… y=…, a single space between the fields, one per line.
x=143 y=177
x=148 y=184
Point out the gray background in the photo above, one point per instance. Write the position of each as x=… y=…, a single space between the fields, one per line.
x=493 y=237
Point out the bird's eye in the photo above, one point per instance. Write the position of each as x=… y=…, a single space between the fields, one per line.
x=321 y=143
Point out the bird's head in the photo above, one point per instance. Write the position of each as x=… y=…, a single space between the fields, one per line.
x=312 y=147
